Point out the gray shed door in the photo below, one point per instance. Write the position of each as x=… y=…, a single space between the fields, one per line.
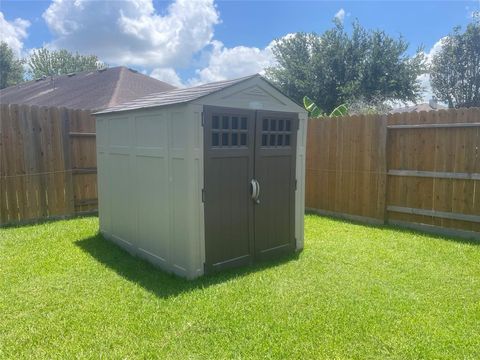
x=249 y=185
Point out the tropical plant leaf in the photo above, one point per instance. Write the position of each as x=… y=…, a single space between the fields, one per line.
x=340 y=110
x=311 y=107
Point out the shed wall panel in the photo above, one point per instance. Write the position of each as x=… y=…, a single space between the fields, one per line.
x=197 y=184
x=146 y=171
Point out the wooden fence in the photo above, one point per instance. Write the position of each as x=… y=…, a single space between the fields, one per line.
x=47 y=163
x=420 y=170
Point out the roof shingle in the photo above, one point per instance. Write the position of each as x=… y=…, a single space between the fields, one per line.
x=89 y=90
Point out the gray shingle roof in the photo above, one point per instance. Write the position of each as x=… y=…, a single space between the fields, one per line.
x=176 y=96
x=418 y=108
x=90 y=90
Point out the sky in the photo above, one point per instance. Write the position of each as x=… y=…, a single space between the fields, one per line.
x=189 y=42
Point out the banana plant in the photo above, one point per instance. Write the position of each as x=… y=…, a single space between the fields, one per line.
x=316 y=112
x=312 y=108
x=340 y=110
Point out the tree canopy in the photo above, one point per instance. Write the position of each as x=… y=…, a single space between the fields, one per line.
x=455 y=70
x=11 y=69
x=336 y=67
x=44 y=62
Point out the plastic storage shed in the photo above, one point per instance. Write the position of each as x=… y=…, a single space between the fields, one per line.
x=204 y=178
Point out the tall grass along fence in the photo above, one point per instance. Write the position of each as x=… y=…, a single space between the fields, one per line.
x=47 y=163
x=420 y=170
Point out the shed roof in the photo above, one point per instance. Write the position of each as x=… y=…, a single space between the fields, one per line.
x=89 y=90
x=179 y=96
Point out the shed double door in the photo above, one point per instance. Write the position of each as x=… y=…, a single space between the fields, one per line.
x=249 y=185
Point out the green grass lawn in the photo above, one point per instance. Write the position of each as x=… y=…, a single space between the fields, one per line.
x=354 y=292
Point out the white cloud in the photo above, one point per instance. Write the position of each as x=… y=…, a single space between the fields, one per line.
x=131 y=32
x=167 y=75
x=425 y=78
x=473 y=13
x=427 y=87
x=435 y=49
x=13 y=33
x=340 y=15
x=228 y=63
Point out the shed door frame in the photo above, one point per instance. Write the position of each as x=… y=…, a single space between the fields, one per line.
x=253 y=152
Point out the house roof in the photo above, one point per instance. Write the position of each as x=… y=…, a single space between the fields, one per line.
x=177 y=96
x=90 y=90
x=419 y=107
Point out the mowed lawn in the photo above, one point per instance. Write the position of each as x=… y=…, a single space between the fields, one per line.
x=354 y=292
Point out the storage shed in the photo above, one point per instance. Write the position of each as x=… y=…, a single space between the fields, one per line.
x=204 y=178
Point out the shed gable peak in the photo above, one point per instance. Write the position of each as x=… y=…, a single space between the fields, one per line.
x=255 y=92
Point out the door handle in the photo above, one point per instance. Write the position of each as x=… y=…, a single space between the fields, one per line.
x=255 y=191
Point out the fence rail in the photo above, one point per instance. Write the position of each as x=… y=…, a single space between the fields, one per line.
x=419 y=169
x=42 y=165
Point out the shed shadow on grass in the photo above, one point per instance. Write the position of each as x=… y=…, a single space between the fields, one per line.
x=157 y=281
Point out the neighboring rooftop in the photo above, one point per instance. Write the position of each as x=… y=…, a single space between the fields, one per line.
x=177 y=96
x=90 y=90
x=432 y=105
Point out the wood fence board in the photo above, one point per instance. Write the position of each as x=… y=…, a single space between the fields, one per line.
x=67 y=159
x=55 y=170
x=460 y=187
x=360 y=178
x=4 y=123
x=30 y=203
x=381 y=168
x=311 y=182
x=476 y=201
x=49 y=161
x=350 y=176
x=13 y=214
x=338 y=203
x=324 y=152
x=319 y=188
x=3 y=190
x=411 y=153
x=332 y=144
x=38 y=166
x=391 y=157
x=364 y=162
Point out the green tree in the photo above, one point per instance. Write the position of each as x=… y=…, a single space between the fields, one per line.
x=455 y=70
x=11 y=69
x=336 y=67
x=44 y=62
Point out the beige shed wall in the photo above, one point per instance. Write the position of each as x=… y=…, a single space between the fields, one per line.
x=147 y=198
